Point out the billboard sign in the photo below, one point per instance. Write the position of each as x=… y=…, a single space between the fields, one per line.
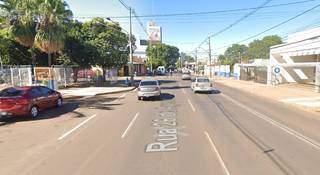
x=154 y=32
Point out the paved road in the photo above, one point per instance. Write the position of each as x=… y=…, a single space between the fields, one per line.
x=227 y=132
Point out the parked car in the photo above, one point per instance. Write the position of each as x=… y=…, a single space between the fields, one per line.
x=201 y=84
x=149 y=88
x=27 y=101
x=186 y=76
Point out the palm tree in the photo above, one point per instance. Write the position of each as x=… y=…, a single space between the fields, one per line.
x=52 y=16
x=20 y=21
x=38 y=23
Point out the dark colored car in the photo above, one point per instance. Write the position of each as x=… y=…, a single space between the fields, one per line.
x=27 y=101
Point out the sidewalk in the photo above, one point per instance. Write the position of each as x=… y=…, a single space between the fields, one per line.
x=292 y=94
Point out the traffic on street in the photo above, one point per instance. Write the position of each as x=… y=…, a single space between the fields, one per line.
x=120 y=87
x=182 y=132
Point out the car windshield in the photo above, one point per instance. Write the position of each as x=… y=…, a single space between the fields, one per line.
x=11 y=92
x=203 y=80
x=148 y=83
x=186 y=73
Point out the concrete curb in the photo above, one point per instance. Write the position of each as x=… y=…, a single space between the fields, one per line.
x=104 y=93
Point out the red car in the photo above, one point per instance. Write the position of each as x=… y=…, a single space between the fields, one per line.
x=27 y=101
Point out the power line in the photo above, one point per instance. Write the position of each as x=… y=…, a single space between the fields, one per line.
x=241 y=19
x=216 y=19
x=139 y=21
x=125 y=5
x=237 y=21
x=214 y=12
x=275 y=26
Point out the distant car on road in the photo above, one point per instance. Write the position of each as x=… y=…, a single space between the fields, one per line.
x=161 y=70
x=149 y=88
x=186 y=76
x=201 y=84
x=27 y=101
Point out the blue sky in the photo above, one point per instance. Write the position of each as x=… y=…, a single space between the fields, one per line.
x=187 y=32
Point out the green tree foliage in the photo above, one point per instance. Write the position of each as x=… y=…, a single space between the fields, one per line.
x=13 y=53
x=37 y=23
x=162 y=55
x=260 y=49
x=109 y=41
x=189 y=58
x=34 y=27
x=178 y=64
x=233 y=54
x=77 y=52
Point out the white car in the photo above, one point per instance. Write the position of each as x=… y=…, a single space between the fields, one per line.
x=149 y=88
x=186 y=76
x=201 y=84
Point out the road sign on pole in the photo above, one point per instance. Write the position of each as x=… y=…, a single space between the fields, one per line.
x=277 y=70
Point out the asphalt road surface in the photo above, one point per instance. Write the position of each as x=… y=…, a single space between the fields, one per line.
x=223 y=133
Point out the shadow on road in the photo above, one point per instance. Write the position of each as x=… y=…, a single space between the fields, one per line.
x=211 y=92
x=47 y=114
x=163 y=97
x=175 y=87
x=166 y=81
x=69 y=106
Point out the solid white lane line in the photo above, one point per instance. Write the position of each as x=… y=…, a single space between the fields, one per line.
x=130 y=125
x=192 y=107
x=224 y=167
x=77 y=127
x=283 y=127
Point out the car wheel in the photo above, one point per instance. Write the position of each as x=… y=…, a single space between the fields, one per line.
x=139 y=98
x=34 y=112
x=59 y=103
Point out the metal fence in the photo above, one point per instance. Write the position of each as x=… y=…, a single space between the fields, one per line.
x=54 y=77
x=16 y=75
x=257 y=74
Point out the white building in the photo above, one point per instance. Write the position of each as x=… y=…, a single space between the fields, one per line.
x=296 y=60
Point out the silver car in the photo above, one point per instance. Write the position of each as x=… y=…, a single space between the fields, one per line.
x=149 y=88
x=201 y=84
x=186 y=76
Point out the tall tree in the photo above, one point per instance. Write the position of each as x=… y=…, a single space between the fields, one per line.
x=52 y=16
x=37 y=23
x=234 y=53
x=260 y=49
x=110 y=42
x=162 y=55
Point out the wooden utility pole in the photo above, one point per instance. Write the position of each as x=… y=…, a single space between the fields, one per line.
x=210 y=56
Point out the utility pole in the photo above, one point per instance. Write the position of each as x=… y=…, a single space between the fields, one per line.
x=1 y=64
x=197 y=60
x=210 y=56
x=151 y=60
x=130 y=45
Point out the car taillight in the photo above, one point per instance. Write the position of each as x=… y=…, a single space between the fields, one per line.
x=211 y=85
x=197 y=84
x=139 y=89
x=21 y=101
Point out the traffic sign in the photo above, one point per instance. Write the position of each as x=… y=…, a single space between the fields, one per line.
x=277 y=70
